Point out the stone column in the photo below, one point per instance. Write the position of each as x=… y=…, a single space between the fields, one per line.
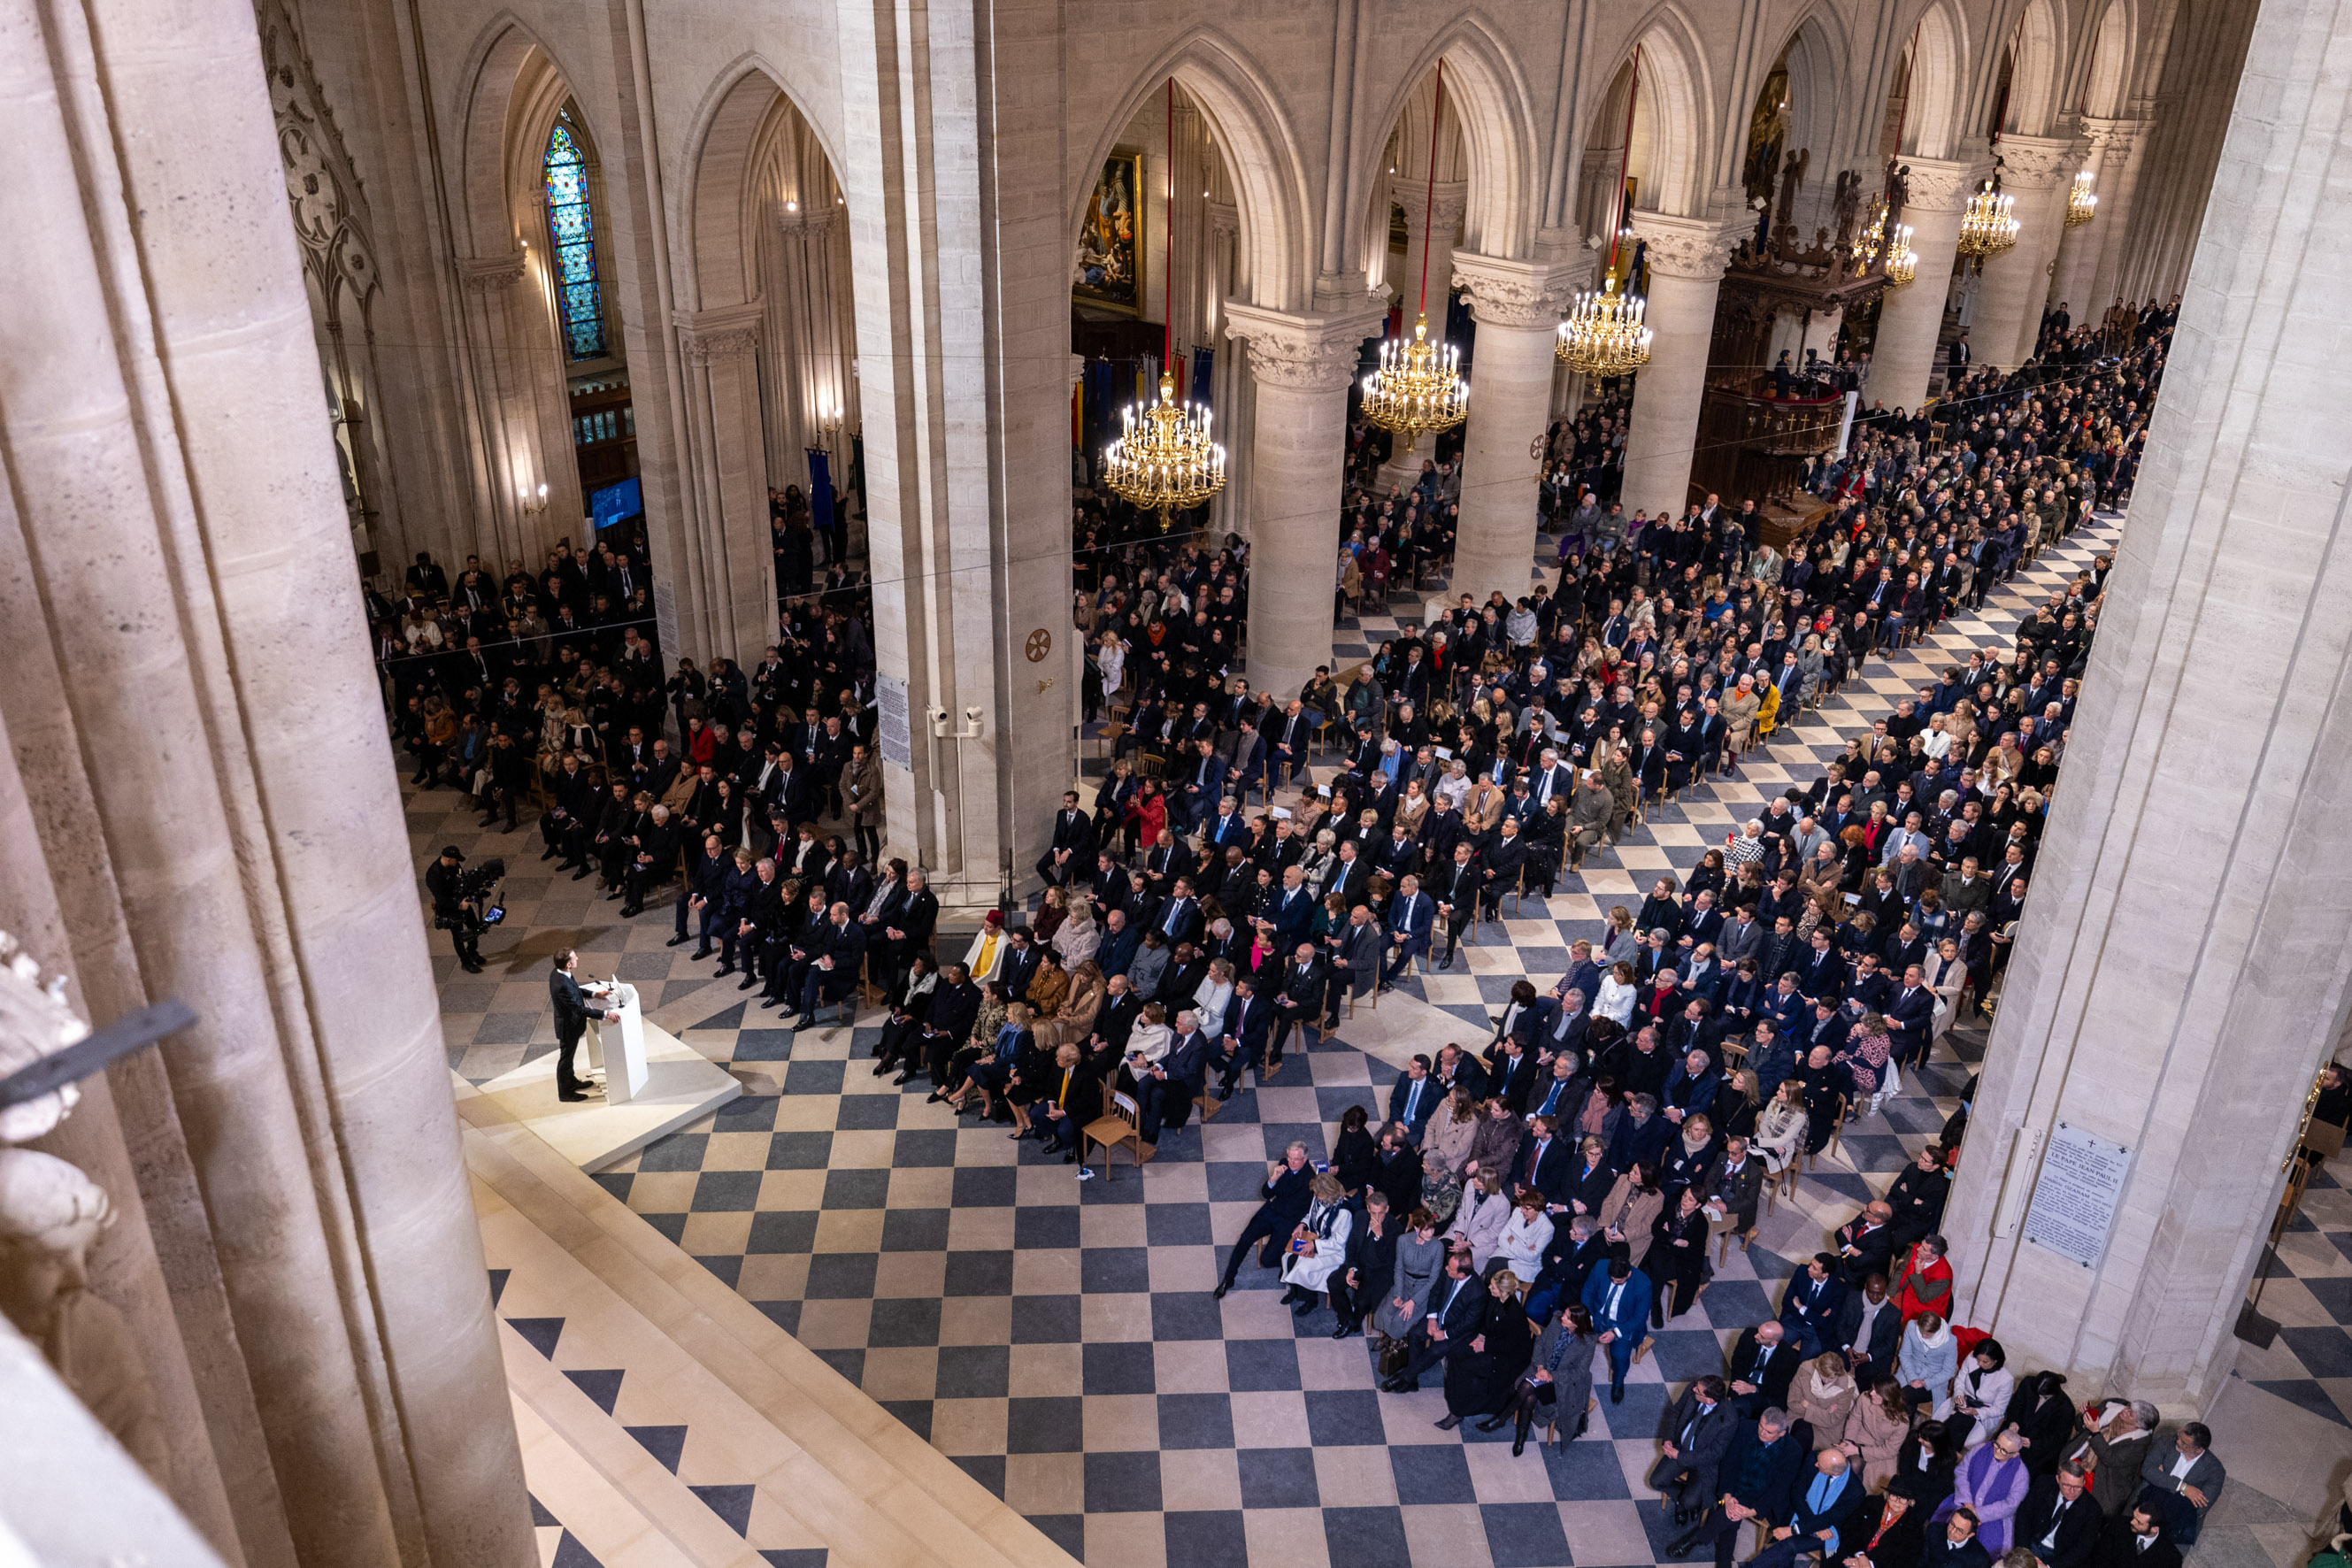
x=2124 y=150
x=720 y=355
x=2035 y=170
x=1685 y=262
x=2070 y=271
x=185 y=557
x=1428 y=228
x=1301 y=366
x=1904 y=354
x=2179 y=974
x=1518 y=306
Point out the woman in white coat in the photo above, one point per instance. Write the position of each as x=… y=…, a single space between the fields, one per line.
x=1318 y=1247
x=1980 y=1392
x=1479 y=1223
x=1945 y=975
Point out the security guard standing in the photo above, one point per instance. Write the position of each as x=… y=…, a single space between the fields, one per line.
x=460 y=916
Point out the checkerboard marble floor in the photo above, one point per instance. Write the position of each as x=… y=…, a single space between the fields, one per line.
x=1058 y=1339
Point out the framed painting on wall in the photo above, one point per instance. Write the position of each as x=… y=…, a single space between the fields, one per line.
x=1106 y=271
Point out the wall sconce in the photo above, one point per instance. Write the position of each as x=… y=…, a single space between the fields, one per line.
x=533 y=507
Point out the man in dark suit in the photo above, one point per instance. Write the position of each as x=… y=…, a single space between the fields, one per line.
x=1452 y=885
x=1292 y=911
x=1761 y=1366
x=1297 y=996
x=1958 y=1546
x=1812 y=1305
x=572 y=1011
x=1356 y=967
x=2132 y=1539
x=1756 y=1481
x=1179 y=919
x=1512 y=1074
x=1248 y=1024
x=1824 y=1502
x=2059 y=1523
x=833 y=967
x=1412 y=914
x=1545 y=1162
x=1869 y=1329
x=1288 y=1190
x=1865 y=1244
x=1072 y=851
x=1692 y=1433
x=1457 y=1302
x=703 y=894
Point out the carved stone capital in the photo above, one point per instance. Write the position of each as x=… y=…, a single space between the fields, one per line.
x=1504 y=293
x=488 y=274
x=1687 y=247
x=1940 y=184
x=2112 y=138
x=2035 y=163
x=1443 y=210
x=1303 y=353
x=1225 y=219
x=725 y=333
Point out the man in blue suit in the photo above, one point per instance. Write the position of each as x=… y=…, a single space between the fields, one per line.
x=1292 y=911
x=1249 y=1022
x=1911 y=1014
x=1414 y=1097
x=1411 y=914
x=1619 y=1302
x=1203 y=783
x=1813 y=1303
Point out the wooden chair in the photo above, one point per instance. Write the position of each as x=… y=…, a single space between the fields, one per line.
x=1780 y=1186
x=1110 y=736
x=1150 y=766
x=1115 y=1127
x=1724 y=1229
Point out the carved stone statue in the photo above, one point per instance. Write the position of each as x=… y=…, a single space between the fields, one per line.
x=35 y=1022
x=50 y=1216
x=1847 y=206
x=1793 y=175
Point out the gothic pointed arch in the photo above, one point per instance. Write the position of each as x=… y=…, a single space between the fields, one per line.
x=1486 y=93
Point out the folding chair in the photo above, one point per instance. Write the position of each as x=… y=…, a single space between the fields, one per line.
x=1115 y=1127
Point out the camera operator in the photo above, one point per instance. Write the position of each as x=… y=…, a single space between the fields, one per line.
x=455 y=908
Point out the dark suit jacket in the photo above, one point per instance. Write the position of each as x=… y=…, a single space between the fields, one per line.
x=2078 y=1532
x=1774 y=1496
x=2116 y=1550
x=1458 y=1311
x=1700 y=1438
x=1773 y=1385
x=572 y=1006
x=1885 y=1330
x=1818 y=1306
x=1550 y=1175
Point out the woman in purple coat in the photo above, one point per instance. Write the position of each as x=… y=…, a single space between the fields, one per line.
x=1992 y=1481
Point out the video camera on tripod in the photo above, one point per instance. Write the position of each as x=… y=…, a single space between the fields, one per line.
x=474 y=891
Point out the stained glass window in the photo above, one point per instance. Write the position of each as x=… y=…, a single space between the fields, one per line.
x=573 y=227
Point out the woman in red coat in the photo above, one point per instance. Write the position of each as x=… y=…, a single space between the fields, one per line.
x=1924 y=1281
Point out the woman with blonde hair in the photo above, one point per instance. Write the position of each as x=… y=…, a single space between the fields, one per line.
x=1823 y=1393
x=1620 y=943
x=1780 y=1127
x=1479 y=1223
x=1078 y=937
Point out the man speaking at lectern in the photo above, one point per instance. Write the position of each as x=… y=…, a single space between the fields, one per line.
x=571 y=1014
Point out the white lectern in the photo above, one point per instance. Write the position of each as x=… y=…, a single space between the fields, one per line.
x=619 y=1056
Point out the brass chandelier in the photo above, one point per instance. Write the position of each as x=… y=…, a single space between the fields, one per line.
x=1165 y=460
x=1989 y=225
x=1902 y=261
x=2082 y=206
x=1418 y=386
x=1605 y=335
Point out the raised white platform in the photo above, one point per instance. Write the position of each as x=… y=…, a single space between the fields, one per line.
x=682 y=1086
